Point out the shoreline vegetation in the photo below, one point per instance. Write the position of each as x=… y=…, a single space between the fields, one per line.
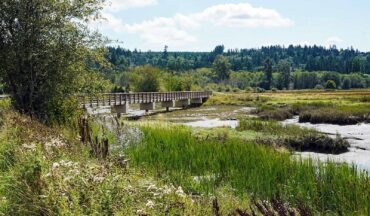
x=173 y=153
x=293 y=137
x=172 y=169
x=57 y=159
x=333 y=107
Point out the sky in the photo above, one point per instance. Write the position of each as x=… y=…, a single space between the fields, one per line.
x=200 y=25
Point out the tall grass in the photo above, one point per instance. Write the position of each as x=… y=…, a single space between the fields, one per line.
x=202 y=166
x=294 y=137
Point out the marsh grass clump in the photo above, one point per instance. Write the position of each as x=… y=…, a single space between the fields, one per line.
x=331 y=116
x=279 y=114
x=294 y=137
x=324 y=188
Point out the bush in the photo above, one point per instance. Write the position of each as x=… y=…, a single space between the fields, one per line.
x=259 y=90
x=330 y=84
x=248 y=89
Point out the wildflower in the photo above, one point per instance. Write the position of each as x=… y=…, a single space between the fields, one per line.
x=98 y=179
x=150 y=204
x=152 y=187
x=180 y=192
x=140 y=212
x=55 y=165
x=167 y=190
x=31 y=147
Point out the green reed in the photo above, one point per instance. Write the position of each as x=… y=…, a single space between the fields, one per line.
x=201 y=166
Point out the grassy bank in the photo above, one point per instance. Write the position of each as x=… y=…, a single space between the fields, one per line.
x=203 y=166
x=47 y=171
x=338 y=107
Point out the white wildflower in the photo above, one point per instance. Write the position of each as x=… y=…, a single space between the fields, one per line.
x=150 y=204
x=55 y=165
x=98 y=179
x=180 y=192
x=167 y=190
x=140 y=212
x=152 y=187
x=31 y=147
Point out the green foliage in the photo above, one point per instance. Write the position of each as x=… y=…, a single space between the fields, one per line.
x=37 y=178
x=205 y=165
x=48 y=54
x=285 y=68
x=221 y=66
x=308 y=58
x=330 y=84
x=145 y=79
x=267 y=80
x=346 y=83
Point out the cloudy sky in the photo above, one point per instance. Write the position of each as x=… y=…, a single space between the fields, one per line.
x=200 y=25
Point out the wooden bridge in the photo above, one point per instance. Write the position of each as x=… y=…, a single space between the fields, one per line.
x=120 y=101
x=3 y=96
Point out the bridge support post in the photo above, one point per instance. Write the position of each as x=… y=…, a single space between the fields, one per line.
x=167 y=105
x=196 y=101
x=147 y=106
x=182 y=103
x=119 y=109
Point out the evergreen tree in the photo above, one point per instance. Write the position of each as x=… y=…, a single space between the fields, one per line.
x=268 y=74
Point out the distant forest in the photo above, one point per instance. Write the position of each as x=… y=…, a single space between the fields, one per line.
x=305 y=58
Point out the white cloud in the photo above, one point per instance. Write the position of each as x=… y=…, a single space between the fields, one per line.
x=242 y=15
x=176 y=30
x=119 y=5
x=334 y=40
x=164 y=31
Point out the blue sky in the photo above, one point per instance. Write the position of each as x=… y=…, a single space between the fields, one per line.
x=200 y=25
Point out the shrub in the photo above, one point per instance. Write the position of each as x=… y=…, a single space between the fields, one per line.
x=248 y=89
x=259 y=90
x=330 y=84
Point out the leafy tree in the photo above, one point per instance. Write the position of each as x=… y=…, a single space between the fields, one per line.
x=330 y=84
x=47 y=54
x=172 y=83
x=285 y=68
x=186 y=83
x=326 y=76
x=221 y=66
x=346 y=83
x=146 y=79
x=268 y=74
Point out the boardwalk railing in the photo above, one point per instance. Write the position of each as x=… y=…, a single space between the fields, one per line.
x=114 y=99
x=3 y=96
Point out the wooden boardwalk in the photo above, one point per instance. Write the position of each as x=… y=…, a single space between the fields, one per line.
x=116 y=99
x=3 y=96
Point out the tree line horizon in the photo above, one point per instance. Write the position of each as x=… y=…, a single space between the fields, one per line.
x=308 y=58
x=267 y=68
